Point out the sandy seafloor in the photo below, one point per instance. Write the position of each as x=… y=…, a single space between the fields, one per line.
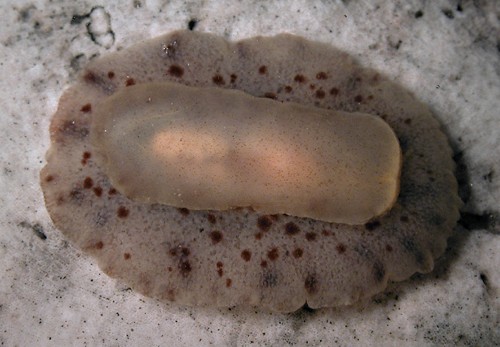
x=447 y=53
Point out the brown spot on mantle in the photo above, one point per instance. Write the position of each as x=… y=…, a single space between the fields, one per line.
x=372 y=225
x=216 y=236
x=320 y=94
x=86 y=108
x=98 y=191
x=299 y=78
x=218 y=80
x=340 y=248
x=246 y=255
x=85 y=157
x=88 y=183
x=311 y=284
x=273 y=254
x=183 y=211
x=321 y=75
x=291 y=228
x=96 y=245
x=185 y=268
x=122 y=212
x=176 y=70
x=311 y=236
x=264 y=223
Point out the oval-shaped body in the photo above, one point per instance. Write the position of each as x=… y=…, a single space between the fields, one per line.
x=240 y=256
x=216 y=149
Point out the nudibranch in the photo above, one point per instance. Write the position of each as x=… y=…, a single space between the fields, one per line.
x=269 y=172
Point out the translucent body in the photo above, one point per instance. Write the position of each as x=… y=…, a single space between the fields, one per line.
x=216 y=149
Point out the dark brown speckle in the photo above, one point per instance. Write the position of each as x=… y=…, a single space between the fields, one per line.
x=218 y=80
x=98 y=191
x=229 y=282
x=273 y=254
x=216 y=236
x=88 y=183
x=321 y=75
x=85 y=157
x=264 y=223
x=270 y=95
x=183 y=211
x=246 y=255
x=126 y=256
x=291 y=228
x=341 y=248
x=220 y=270
x=372 y=225
x=334 y=91
x=311 y=284
x=86 y=108
x=90 y=77
x=176 y=71
x=129 y=82
x=311 y=236
x=122 y=212
x=320 y=94
x=299 y=78
x=184 y=268
x=263 y=70
x=111 y=75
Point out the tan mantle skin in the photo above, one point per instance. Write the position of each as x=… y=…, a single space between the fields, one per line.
x=216 y=149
